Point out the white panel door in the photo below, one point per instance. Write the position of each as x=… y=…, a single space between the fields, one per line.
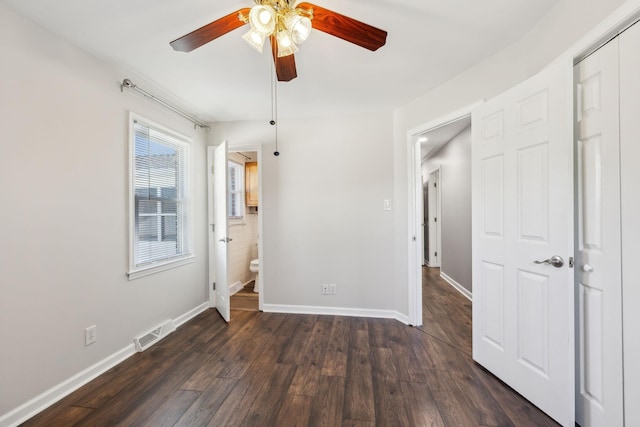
x=434 y=218
x=598 y=268
x=522 y=191
x=221 y=239
x=630 y=177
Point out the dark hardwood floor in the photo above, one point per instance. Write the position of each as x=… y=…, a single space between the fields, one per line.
x=245 y=299
x=268 y=369
x=446 y=314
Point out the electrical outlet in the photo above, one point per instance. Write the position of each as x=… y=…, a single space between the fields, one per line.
x=90 y=335
x=332 y=289
x=325 y=289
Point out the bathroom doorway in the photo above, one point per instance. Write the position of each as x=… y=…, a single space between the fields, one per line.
x=237 y=223
x=243 y=201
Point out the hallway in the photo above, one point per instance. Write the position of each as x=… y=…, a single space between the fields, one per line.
x=446 y=314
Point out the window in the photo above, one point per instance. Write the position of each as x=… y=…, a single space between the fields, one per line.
x=235 y=181
x=159 y=202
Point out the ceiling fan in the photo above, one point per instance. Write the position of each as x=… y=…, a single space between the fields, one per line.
x=286 y=24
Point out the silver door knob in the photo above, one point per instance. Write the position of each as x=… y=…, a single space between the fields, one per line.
x=555 y=260
x=587 y=268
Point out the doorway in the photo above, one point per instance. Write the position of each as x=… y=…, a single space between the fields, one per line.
x=425 y=143
x=445 y=158
x=244 y=206
x=230 y=261
x=434 y=232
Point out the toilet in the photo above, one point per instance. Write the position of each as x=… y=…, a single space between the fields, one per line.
x=254 y=267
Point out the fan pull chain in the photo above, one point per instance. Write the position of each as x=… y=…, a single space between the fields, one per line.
x=274 y=108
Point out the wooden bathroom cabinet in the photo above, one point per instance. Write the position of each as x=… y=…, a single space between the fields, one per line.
x=251 y=183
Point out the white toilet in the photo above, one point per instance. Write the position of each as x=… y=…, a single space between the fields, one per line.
x=254 y=267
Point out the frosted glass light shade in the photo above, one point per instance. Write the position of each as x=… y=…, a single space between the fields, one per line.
x=299 y=26
x=286 y=46
x=262 y=19
x=254 y=39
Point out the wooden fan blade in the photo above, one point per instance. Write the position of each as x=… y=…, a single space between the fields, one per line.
x=346 y=28
x=211 y=31
x=285 y=65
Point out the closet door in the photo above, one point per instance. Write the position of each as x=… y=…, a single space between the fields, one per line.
x=598 y=269
x=630 y=195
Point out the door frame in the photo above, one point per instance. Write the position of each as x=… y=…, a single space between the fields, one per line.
x=258 y=149
x=415 y=236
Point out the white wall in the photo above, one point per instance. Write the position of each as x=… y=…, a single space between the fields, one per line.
x=555 y=33
x=322 y=209
x=64 y=235
x=454 y=159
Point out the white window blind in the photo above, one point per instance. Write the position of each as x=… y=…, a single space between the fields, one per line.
x=159 y=200
x=235 y=191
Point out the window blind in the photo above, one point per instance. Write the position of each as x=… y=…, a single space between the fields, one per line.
x=159 y=200
x=235 y=191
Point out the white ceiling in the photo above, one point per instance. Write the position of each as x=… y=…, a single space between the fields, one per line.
x=437 y=138
x=428 y=43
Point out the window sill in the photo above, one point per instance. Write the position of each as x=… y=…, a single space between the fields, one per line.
x=156 y=268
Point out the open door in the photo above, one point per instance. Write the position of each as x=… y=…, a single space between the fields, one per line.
x=522 y=190
x=218 y=233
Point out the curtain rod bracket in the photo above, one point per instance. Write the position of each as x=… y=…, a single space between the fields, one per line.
x=126 y=83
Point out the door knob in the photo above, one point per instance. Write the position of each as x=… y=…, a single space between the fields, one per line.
x=555 y=260
x=587 y=268
x=225 y=240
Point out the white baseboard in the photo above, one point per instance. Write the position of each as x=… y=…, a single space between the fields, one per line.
x=235 y=288
x=335 y=311
x=181 y=320
x=54 y=394
x=458 y=287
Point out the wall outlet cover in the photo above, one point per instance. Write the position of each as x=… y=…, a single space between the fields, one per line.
x=90 y=335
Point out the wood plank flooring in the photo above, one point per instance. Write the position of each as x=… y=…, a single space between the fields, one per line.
x=446 y=314
x=245 y=299
x=269 y=369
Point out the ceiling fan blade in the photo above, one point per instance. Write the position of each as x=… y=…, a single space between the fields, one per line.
x=211 y=31
x=285 y=65
x=346 y=28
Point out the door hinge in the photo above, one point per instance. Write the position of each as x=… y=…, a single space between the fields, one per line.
x=435 y=254
x=213 y=228
x=214 y=286
x=435 y=184
x=435 y=219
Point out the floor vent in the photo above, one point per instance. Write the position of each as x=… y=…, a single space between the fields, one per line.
x=145 y=341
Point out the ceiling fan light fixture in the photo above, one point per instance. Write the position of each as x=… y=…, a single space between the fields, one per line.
x=299 y=26
x=286 y=46
x=262 y=19
x=254 y=39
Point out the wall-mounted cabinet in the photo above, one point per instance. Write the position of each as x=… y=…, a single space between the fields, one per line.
x=251 y=183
